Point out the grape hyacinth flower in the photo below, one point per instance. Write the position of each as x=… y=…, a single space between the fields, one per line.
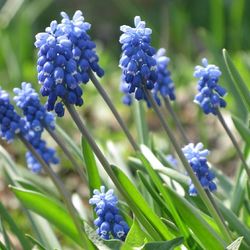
x=28 y=100
x=137 y=61
x=198 y=161
x=37 y=118
x=164 y=84
x=66 y=55
x=10 y=122
x=210 y=93
x=109 y=221
x=48 y=154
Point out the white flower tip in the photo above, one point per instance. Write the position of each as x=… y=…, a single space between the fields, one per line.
x=204 y=62
x=137 y=20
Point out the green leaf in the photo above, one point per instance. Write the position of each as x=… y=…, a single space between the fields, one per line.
x=159 y=185
x=235 y=245
x=35 y=242
x=14 y=228
x=242 y=129
x=158 y=199
x=191 y=216
x=43 y=231
x=94 y=180
x=138 y=202
x=239 y=191
x=2 y=246
x=50 y=209
x=135 y=238
x=70 y=143
x=141 y=124
x=99 y=242
x=237 y=80
x=163 y=245
x=5 y=235
x=234 y=222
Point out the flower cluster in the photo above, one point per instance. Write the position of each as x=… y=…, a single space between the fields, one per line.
x=210 y=93
x=65 y=57
x=37 y=119
x=137 y=61
x=109 y=220
x=198 y=161
x=10 y=122
x=27 y=99
x=164 y=84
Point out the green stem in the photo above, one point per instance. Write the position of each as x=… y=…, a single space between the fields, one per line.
x=64 y=193
x=67 y=153
x=141 y=124
x=231 y=136
x=113 y=109
x=176 y=120
x=189 y=169
x=216 y=207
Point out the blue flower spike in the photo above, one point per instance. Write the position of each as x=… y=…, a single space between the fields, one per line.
x=37 y=118
x=137 y=61
x=109 y=221
x=210 y=96
x=197 y=158
x=164 y=85
x=28 y=100
x=65 y=57
x=10 y=122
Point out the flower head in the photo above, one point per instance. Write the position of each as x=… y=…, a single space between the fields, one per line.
x=164 y=84
x=10 y=122
x=210 y=93
x=37 y=118
x=198 y=161
x=109 y=221
x=66 y=55
x=137 y=61
x=28 y=100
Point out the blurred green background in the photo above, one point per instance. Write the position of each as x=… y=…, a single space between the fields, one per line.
x=188 y=30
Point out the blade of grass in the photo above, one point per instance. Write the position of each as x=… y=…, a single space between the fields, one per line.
x=141 y=124
x=35 y=242
x=158 y=183
x=5 y=235
x=50 y=209
x=94 y=180
x=237 y=80
x=137 y=199
x=14 y=228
